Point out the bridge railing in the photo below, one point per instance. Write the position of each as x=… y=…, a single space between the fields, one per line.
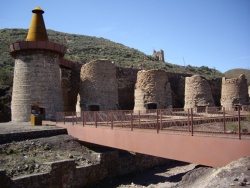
x=210 y=121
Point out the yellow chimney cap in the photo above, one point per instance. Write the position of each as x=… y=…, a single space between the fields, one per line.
x=38 y=9
x=37 y=30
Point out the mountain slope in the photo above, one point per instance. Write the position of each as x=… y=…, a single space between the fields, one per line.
x=83 y=48
x=234 y=73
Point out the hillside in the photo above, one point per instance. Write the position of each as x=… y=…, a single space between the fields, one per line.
x=83 y=48
x=234 y=73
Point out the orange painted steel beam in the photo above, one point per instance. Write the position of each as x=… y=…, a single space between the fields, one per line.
x=210 y=151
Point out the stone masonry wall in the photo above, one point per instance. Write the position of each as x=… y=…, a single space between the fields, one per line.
x=36 y=80
x=177 y=83
x=66 y=174
x=126 y=78
x=152 y=86
x=98 y=85
x=66 y=87
x=197 y=92
x=70 y=79
x=234 y=91
x=215 y=85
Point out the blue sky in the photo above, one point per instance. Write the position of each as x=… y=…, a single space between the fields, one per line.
x=213 y=33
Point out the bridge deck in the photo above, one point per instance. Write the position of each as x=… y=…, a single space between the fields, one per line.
x=191 y=139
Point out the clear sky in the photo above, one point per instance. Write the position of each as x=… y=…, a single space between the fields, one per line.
x=213 y=33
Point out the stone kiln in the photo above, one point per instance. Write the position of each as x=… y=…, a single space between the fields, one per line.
x=36 y=72
x=197 y=92
x=234 y=92
x=98 y=86
x=152 y=90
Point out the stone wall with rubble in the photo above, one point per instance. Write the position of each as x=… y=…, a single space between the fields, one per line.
x=152 y=86
x=36 y=80
x=98 y=85
x=70 y=79
x=234 y=91
x=65 y=173
x=197 y=92
x=177 y=83
x=215 y=85
x=126 y=79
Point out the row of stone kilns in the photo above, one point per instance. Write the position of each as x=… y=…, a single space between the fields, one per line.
x=99 y=89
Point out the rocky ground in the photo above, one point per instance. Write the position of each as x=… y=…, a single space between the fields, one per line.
x=184 y=175
x=31 y=156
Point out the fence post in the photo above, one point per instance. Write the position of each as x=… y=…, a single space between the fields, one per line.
x=111 y=119
x=72 y=118
x=239 y=123
x=139 y=119
x=95 y=116
x=224 y=121
x=157 y=121
x=192 y=125
x=160 y=119
x=64 y=118
x=82 y=118
x=131 y=121
x=76 y=117
x=188 y=121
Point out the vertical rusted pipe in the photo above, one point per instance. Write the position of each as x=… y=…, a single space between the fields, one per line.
x=160 y=120
x=131 y=121
x=76 y=117
x=188 y=122
x=224 y=121
x=95 y=115
x=139 y=119
x=111 y=119
x=64 y=118
x=157 y=121
x=192 y=126
x=82 y=118
x=239 y=123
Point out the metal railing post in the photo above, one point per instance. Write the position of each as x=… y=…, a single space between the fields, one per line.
x=192 y=125
x=139 y=119
x=64 y=118
x=131 y=121
x=189 y=121
x=224 y=121
x=82 y=118
x=76 y=117
x=111 y=119
x=95 y=116
x=160 y=119
x=239 y=129
x=157 y=121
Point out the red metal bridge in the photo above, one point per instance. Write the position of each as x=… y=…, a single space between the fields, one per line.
x=211 y=136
